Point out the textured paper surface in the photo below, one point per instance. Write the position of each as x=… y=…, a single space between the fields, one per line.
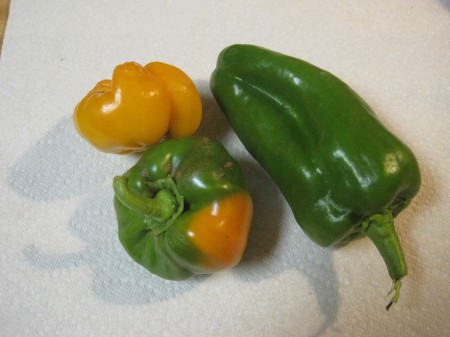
x=62 y=270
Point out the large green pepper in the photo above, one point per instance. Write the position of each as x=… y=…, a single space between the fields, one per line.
x=183 y=209
x=342 y=172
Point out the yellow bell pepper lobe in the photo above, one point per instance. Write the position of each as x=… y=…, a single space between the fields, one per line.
x=186 y=111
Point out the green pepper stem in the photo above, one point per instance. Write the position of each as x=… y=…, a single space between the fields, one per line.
x=381 y=230
x=160 y=210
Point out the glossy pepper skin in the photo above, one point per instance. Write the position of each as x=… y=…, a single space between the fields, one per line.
x=342 y=172
x=183 y=209
x=138 y=107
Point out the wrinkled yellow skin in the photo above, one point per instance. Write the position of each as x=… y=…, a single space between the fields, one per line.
x=139 y=107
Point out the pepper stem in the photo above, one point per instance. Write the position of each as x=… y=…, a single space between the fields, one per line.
x=381 y=230
x=160 y=210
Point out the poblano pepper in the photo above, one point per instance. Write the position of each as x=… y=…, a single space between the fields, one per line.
x=342 y=172
x=183 y=209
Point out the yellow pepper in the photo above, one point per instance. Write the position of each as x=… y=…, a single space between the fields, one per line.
x=137 y=108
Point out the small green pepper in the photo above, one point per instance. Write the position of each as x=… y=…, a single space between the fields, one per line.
x=342 y=172
x=183 y=209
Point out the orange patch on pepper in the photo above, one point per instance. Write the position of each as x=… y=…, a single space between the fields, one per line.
x=220 y=230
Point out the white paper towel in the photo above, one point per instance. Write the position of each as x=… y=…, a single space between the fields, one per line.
x=63 y=271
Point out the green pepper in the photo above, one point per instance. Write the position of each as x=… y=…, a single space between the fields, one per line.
x=183 y=208
x=342 y=172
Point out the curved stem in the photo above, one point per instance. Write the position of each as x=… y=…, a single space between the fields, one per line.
x=381 y=230
x=161 y=210
x=396 y=289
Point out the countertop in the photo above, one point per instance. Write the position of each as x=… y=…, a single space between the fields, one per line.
x=4 y=7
